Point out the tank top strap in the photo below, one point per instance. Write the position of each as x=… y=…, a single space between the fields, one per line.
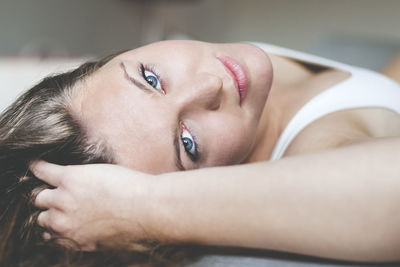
x=364 y=88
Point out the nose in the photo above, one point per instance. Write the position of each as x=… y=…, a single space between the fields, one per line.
x=203 y=91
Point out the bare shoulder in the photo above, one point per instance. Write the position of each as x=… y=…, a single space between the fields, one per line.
x=344 y=128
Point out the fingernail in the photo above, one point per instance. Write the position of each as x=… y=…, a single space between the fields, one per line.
x=33 y=165
x=46 y=236
x=24 y=178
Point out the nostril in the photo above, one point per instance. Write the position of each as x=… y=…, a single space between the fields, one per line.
x=216 y=106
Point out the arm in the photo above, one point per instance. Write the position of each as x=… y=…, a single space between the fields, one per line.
x=339 y=204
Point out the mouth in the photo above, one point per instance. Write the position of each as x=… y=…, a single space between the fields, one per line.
x=236 y=70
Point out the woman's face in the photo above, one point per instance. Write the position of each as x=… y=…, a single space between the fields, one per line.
x=177 y=105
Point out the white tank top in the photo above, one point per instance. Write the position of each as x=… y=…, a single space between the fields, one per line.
x=364 y=88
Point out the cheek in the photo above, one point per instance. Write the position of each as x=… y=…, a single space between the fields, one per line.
x=231 y=143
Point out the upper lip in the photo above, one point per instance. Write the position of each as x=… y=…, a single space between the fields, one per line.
x=238 y=74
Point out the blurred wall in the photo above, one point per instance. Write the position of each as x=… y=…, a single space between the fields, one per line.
x=293 y=23
x=98 y=27
x=67 y=27
x=360 y=32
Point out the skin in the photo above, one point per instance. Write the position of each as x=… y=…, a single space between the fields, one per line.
x=392 y=70
x=295 y=208
x=196 y=90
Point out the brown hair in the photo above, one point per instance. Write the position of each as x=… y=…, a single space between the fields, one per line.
x=39 y=125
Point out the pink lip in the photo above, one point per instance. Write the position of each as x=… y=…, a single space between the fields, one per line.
x=239 y=75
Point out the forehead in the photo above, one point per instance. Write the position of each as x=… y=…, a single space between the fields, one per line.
x=111 y=110
x=172 y=51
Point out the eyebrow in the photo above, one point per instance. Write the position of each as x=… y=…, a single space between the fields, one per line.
x=178 y=161
x=138 y=83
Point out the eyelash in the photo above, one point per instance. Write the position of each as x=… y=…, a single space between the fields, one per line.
x=194 y=157
x=143 y=68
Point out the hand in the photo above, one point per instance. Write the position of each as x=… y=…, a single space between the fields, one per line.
x=94 y=204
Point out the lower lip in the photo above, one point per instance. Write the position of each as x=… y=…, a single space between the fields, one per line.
x=238 y=74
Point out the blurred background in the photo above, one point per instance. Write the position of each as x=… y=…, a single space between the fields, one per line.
x=45 y=35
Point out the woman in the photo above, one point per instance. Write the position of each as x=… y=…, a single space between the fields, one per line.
x=205 y=106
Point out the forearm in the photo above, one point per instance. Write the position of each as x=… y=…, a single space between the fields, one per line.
x=340 y=204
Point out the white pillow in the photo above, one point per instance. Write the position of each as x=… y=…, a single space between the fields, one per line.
x=19 y=74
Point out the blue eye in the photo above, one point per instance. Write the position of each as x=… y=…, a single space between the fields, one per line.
x=151 y=78
x=189 y=144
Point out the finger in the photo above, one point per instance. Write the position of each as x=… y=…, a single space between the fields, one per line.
x=67 y=243
x=47 y=172
x=45 y=199
x=70 y=244
x=48 y=219
x=43 y=219
x=53 y=221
